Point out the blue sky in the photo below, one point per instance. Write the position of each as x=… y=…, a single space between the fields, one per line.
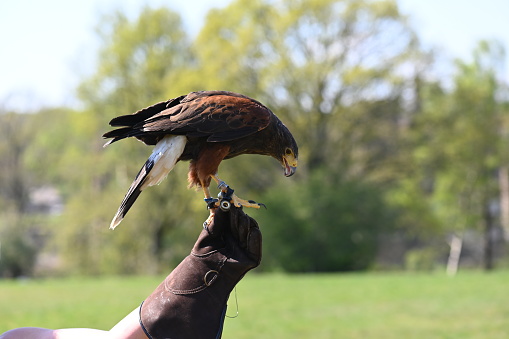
x=47 y=46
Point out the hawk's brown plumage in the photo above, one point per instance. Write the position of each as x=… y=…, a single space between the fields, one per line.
x=215 y=125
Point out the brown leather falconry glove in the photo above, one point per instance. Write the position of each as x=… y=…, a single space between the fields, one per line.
x=191 y=301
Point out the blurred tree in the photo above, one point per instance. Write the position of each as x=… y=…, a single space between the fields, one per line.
x=17 y=250
x=462 y=145
x=323 y=225
x=18 y=133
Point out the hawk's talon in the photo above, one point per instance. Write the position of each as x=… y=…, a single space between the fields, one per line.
x=238 y=202
x=258 y=203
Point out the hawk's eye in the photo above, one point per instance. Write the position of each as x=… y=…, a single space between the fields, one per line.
x=288 y=151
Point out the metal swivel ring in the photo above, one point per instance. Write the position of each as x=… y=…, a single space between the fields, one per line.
x=224 y=205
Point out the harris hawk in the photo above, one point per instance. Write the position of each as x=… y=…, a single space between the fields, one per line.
x=204 y=128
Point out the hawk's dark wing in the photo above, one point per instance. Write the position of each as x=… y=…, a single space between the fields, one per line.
x=219 y=116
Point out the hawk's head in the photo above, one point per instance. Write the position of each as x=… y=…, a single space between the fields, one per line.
x=287 y=151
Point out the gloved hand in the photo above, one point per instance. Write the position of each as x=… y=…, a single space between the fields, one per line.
x=191 y=301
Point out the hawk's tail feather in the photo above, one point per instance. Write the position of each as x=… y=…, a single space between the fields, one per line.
x=133 y=193
x=156 y=168
x=132 y=120
x=120 y=133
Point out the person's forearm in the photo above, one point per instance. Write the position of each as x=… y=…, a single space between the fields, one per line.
x=28 y=333
x=81 y=333
x=45 y=333
x=127 y=328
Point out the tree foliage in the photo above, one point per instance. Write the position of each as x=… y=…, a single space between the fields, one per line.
x=463 y=142
x=324 y=224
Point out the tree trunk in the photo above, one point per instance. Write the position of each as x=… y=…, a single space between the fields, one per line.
x=503 y=182
x=488 y=238
x=454 y=255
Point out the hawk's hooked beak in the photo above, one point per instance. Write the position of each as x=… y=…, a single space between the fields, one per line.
x=289 y=164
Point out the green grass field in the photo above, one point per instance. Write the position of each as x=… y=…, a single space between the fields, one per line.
x=371 y=305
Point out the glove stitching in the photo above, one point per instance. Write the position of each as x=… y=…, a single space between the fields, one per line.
x=219 y=265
